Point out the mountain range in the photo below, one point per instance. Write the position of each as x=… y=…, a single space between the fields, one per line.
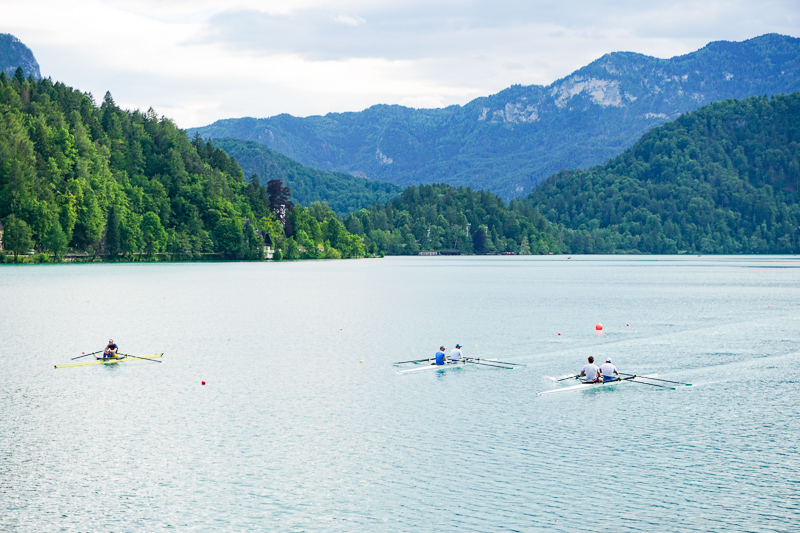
x=510 y=141
x=14 y=54
x=720 y=179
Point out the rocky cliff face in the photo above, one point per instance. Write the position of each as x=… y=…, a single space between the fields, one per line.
x=662 y=88
x=510 y=141
x=14 y=54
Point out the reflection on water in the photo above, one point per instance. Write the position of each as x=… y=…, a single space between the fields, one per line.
x=292 y=432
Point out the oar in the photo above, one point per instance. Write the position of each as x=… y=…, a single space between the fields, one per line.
x=503 y=362
x=477 y=362
x=569 y=377
x=142 y=358
x=415 y=361
x=664 y=380
x=84 y=355
x=633 y=377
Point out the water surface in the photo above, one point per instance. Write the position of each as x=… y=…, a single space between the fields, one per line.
x=303 y=424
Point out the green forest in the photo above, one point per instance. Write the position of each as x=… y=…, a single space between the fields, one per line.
x=82 y=181
x=344 y=193
x=90 y=182
x=442 y=218
x=722 y=179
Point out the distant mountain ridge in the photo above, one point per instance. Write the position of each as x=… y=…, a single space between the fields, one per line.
x=510 y=141
x=14 y=54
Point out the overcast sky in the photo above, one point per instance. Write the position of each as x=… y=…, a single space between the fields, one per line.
x=197 y=61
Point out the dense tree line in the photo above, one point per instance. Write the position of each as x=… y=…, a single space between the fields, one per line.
x=722 y=179
x=441 y=217
x=99 y=180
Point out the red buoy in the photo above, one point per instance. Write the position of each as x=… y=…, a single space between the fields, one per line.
x=599 y=327
x=202 y=382
x=559 y=333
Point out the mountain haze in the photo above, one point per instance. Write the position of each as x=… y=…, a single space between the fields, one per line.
x=510 y=141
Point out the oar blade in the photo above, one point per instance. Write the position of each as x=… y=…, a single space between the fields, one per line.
x=414 y=361
x=496 y=366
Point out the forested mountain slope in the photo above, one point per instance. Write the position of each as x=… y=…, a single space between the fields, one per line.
x=722 y=179
x=512 y=140
x=344 y=193
x=120 y=184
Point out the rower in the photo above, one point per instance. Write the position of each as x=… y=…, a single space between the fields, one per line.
x=609 y=371
x=441 y=357
x=591 y=371
x=111 y=350
x=455 y=354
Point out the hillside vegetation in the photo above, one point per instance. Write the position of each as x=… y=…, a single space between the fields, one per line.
x=342 y=192
x=75 y=177
x=442 y=218
x=722 y=179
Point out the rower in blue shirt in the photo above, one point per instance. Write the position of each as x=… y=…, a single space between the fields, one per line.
x=441 y=357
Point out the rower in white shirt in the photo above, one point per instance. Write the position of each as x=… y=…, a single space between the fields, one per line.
x=455 y=354
x=591 y=372
x=609 y=371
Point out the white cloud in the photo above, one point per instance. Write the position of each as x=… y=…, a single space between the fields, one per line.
x=348 y=20
x=201 y=60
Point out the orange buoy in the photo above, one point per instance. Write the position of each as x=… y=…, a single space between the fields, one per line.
x=599 y=327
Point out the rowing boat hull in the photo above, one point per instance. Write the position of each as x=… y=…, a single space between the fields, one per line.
x=585 y=386
x=112 y=361
x=436 y=367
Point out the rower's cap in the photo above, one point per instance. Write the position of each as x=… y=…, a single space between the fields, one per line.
x=458 y=346
x=608 y=360
x=110 y=340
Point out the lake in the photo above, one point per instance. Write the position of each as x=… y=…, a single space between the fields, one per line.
x=304 y=425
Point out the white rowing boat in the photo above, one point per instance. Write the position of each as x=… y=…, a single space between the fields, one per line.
x=423 y=365
x=584 y=385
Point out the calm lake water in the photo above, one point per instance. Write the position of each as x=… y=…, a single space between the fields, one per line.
x=304 y=424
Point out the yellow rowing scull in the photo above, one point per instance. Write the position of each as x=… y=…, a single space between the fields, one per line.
x=112 y=360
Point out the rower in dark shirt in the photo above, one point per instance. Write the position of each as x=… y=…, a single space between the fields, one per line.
x=111 y=350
